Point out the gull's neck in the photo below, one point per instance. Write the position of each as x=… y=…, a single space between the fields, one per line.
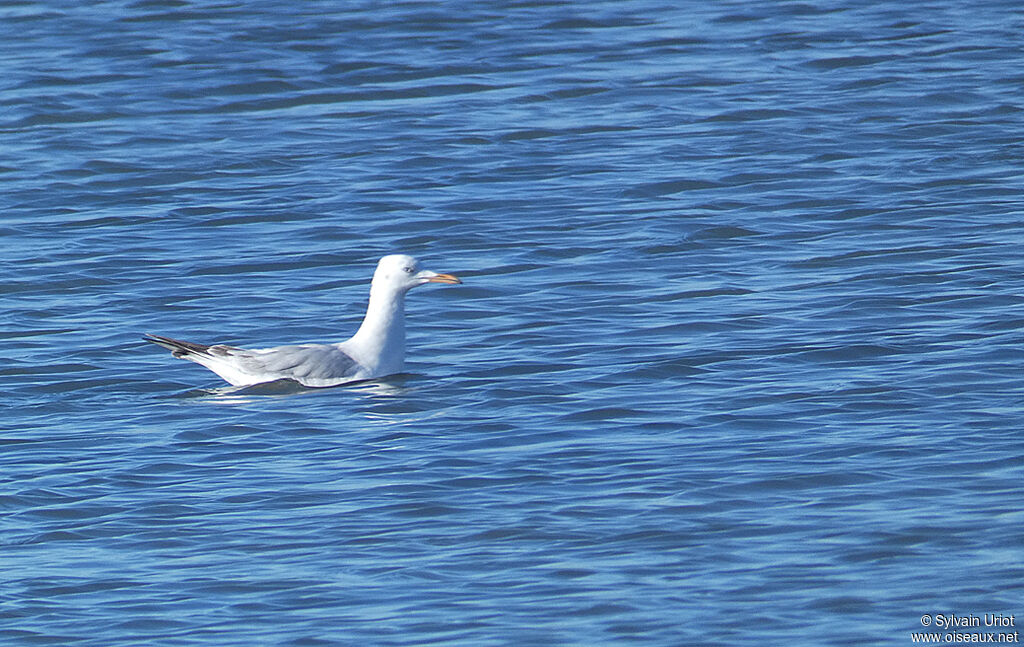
x=380 y=340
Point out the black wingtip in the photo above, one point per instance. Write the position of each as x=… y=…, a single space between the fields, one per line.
x=177 y=347
x=157 y=339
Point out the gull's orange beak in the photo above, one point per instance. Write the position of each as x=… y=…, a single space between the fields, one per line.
x=451 y=279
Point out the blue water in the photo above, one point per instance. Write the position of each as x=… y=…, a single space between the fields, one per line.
x=737 y=359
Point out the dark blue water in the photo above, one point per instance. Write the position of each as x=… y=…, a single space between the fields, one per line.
x=737 y=359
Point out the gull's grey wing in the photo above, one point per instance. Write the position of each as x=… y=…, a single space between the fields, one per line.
x=301 y=362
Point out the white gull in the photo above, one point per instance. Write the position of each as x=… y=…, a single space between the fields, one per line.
x=377 y=349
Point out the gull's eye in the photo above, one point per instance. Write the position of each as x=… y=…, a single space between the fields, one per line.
x=408 y=270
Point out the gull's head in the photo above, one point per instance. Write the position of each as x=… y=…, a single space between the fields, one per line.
x=400 y=273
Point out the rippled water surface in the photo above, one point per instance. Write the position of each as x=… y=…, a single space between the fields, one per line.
x=737 y=359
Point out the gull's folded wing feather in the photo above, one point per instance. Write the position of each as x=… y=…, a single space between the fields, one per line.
x=305 y=363
x=308 y=364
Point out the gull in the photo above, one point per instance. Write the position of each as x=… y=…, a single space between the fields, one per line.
x=376 y=350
